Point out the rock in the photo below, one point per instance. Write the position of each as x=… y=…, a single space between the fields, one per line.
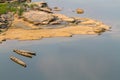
x=64 y=18
x=41 y=4
x=79 y=11
x=99 y=30
x=57 y=9
x=55 y=22
x=38 y=17
x=1 y=20
x=20 y=25
x=71 y=20
x=3 y=26
x=88 y=22
x=46 y=10
x=6 y=20
x=9 y=16
x=3 y=39
x=105 y=27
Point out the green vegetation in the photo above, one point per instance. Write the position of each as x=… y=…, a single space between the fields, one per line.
x=20 y=11
x=8 y=7
x=11 y=7
x=33 y=5
x=16 y=7
x=3 y=8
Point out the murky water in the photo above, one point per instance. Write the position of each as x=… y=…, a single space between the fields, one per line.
x=81 y=57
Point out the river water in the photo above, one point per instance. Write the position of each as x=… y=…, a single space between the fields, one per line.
x=81 y=57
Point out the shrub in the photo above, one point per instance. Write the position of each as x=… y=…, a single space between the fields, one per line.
x=3 y=8
x=20 y=11
x=9 y=7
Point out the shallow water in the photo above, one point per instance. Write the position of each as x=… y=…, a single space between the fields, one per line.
x=81 y=57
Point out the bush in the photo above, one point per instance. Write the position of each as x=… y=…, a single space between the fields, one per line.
x=9 y=7
x=3 y=8
x=20 y=11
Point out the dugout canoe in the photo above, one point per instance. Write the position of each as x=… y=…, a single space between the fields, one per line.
x=18 y=61
x=23 y=53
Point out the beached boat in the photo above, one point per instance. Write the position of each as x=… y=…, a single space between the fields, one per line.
x=25 y=51
x=18 y=61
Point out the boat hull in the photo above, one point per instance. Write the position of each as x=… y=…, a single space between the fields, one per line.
x=23 y=53
x=18 y=61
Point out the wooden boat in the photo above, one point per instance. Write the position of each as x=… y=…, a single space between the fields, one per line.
x=24 y=53
x=18 y=61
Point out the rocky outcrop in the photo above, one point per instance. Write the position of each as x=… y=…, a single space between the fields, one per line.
x=44 y=18
x=6 y=21
x=38 y=17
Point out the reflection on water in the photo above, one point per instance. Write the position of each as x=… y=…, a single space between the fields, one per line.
x=82 y=57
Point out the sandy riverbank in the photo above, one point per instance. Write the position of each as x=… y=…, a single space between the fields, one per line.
x=86 y=27
x=38 y=23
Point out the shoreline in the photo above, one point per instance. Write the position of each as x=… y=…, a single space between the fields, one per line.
x=22 y=34
x=38 y=23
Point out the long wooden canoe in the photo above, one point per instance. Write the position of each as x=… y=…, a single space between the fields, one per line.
x=29 y=52
x=24 y=53
x=18 y=61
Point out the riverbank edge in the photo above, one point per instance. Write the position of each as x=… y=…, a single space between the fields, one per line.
x=84 y=26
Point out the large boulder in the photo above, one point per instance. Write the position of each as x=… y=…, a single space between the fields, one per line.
x=38 y=17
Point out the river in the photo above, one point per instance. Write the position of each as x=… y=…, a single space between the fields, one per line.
x=81 y=57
